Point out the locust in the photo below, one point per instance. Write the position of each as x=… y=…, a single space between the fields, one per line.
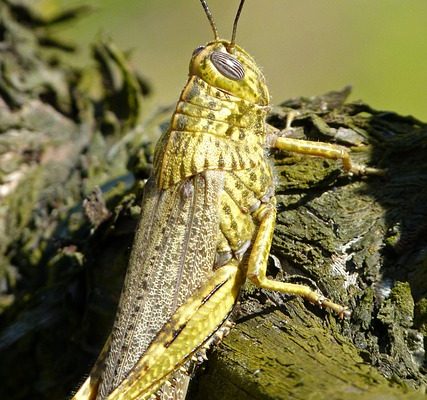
x=206 y=226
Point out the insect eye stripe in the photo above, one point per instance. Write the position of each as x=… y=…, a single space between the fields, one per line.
x=228 y=65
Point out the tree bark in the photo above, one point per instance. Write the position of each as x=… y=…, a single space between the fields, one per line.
x=64 y=244
x=362 y=241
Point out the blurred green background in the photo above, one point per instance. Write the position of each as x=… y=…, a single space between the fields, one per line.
x=306 y=47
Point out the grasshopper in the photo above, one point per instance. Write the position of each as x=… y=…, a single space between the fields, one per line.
x=207 y=223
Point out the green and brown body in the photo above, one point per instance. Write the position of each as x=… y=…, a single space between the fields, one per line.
x=211 y=178
x=207 y=223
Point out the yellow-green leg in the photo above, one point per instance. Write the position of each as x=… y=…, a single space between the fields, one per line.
x=257 y=265
x=321 y=149
x=190 y=326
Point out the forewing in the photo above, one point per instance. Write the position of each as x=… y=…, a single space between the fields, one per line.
x=173 y=254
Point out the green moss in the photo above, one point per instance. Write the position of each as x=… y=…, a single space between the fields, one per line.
x=420 y=321
x=297 y=359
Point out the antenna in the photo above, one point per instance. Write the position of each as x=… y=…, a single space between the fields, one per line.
x=210 y=18
x=236 y=20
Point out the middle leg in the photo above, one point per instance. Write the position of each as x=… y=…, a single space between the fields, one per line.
x=257 y=265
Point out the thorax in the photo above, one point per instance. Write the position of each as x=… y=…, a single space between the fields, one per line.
x=210 y=129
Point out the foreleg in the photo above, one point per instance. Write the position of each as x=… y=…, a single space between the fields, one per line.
x=320 y=149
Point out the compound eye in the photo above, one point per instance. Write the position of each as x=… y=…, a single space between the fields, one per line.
x=197 y=50
x=227 y=65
